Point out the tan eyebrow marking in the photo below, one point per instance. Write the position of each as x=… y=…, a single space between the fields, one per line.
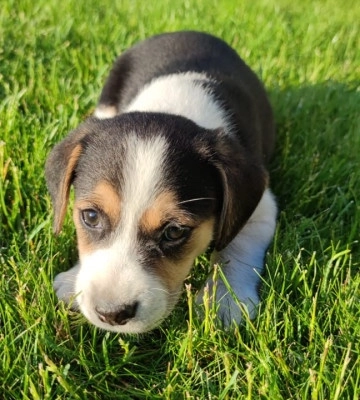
x=105 y=197
x=108 y=199
x=164 y=207
x=173 y=273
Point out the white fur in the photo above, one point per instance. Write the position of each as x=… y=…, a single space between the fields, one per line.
x=103 y=112
x=112 y=277
x=64 y=285
x=181 y=94
x=242 y=263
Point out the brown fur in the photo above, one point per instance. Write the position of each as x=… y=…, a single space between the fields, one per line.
x=174 y=273
x=163 y=208
x=108 y=200
x=105 y=198
x=223 y=168
x=64 y=189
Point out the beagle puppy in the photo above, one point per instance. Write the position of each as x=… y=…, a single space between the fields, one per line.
x=172 y=163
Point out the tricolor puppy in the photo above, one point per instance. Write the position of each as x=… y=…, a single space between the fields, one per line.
x=171 y=163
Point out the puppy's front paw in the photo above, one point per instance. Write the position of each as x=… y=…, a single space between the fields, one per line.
x=64 y=286
x=230 y=305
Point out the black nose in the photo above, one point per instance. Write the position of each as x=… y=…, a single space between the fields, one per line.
x=120 y=316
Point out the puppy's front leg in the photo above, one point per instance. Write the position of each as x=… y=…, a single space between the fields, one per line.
x=242 y=263
x=64 y=285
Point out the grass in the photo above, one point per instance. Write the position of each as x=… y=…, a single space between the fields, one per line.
x=305 y=342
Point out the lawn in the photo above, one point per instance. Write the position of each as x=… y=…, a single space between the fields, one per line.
x=305 y=341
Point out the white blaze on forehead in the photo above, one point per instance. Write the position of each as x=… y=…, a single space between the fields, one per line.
x=143 y=177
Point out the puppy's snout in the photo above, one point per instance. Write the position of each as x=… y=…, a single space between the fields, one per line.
x=121 y=316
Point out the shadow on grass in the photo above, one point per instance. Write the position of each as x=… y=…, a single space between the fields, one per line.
x=314 y=172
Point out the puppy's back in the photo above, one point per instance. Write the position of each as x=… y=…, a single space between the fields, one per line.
x=234 y=84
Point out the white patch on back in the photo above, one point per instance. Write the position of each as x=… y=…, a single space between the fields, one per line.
x=181 y=94
x=143 y=177
x=103 y=112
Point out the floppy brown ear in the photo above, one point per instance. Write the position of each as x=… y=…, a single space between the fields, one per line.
x=244 y=180
x=59 y=172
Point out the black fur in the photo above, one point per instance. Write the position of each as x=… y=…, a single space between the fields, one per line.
x=237 y=87
x=201 y=163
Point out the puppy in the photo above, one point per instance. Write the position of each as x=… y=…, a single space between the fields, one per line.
x=172 y=163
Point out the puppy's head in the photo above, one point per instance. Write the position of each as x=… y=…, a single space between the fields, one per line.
x=152 y=191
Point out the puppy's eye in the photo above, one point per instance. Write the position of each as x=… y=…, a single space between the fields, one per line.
x=91 y=218
x=174 y=232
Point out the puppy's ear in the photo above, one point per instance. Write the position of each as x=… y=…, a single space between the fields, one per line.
x=244 y=180
x=59 y=172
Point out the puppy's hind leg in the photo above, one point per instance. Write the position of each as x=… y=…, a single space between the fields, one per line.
x=242 y=263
